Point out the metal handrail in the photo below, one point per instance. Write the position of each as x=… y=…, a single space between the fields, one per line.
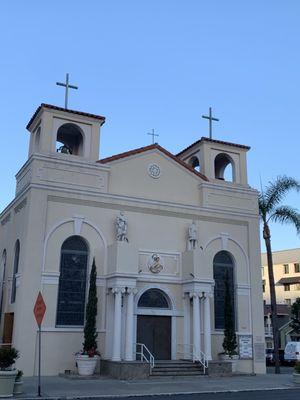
x=143 y=349
x=194 y=354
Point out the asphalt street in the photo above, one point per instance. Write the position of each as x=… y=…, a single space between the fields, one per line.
x=291 y=394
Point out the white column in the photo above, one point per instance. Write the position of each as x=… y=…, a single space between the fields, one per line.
x=196 y=324
x=116 y=353
x=207 y=328
x=186 y=326
x=129 y=325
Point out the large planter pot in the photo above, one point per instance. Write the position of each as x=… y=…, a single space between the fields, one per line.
x=230 y=359
x=86 y=365
x=296 y=377
x=7 y=381
x=18 y=387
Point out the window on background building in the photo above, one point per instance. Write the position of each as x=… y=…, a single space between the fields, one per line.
x=264 y=286
x=297 y=286
x=288 y=301
x=287 y=287
x=286 y=269
x=262 y=271
x=72 y=282
x=297 y=267
x=15 y=271
x=223 y=271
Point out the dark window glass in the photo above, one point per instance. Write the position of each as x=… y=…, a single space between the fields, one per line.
x=2 y=278
x=223 y=269
x=16 y=268
x=153 y=298
x=72 y=282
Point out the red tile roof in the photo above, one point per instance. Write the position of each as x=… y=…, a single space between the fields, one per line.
x=205 y=139
x=50 y=106
x=152 y=147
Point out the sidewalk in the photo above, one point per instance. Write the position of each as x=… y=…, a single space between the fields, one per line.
x=58 y=388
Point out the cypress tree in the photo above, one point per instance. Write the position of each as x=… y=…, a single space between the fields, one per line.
x=229 y=342
x=90 y=331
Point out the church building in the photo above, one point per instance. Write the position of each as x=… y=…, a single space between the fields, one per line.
x=166 y=232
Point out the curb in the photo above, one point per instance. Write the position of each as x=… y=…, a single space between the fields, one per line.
x=127 y=396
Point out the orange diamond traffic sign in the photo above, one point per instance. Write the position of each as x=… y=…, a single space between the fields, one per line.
x=39 y=309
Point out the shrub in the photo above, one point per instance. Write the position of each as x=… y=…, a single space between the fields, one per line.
x=8 y=356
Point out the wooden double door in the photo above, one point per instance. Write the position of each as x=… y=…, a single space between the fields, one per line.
x=155 y=333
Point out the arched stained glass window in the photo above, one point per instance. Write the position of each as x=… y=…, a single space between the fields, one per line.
x=15 y=271
x=153 y=298
x=223 y=271
x=2 y=277
x=72 y=282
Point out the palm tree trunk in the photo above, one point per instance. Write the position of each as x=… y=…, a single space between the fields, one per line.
x=267 y=238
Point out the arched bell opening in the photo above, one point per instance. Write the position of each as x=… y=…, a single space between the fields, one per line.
x=224 y=168
x=69 y=140
x=194 y=163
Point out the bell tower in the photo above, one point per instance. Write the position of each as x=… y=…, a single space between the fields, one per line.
x=219 y=161
x=65 y=133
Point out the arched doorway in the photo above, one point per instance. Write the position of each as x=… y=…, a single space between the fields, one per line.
x=154 y=328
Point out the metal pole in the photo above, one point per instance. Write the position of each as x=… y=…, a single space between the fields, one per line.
x=39 y=372
x=210 y=124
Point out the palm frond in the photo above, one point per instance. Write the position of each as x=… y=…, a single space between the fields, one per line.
x=262 y=206
x=286 y=214
x=276 y=191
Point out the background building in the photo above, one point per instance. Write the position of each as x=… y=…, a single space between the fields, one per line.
x=287 y=285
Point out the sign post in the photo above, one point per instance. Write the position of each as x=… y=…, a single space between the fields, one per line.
x=39 y=312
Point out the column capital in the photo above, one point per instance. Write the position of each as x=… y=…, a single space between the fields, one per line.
x=116 y=290
x=195 y=295
x=131 y=290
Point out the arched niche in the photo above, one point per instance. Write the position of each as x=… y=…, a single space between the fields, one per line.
x=70 y=139
x=224 y=168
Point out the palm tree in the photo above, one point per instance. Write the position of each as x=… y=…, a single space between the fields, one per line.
x=271 y=210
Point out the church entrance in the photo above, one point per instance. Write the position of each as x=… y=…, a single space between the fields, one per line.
x=155 y=333
x=154 y=323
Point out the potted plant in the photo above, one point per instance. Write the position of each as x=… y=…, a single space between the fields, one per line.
x=229 y=342
x=8 y=356
x=18 y=386
x=296 y=373
x=86 y=359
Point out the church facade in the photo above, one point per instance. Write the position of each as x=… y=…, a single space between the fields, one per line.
x=166 y=231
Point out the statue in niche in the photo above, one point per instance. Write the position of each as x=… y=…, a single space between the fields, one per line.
x=154 y=264
x=121 y=228
x=192 y=236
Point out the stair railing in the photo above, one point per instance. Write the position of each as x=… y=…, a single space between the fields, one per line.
x=145 y=355
x=190 y=352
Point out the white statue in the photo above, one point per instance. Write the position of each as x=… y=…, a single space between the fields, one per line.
x=192 y=236
x=121 y=228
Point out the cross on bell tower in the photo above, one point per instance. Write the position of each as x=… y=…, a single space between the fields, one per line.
x=210 y=118
x=68 y=86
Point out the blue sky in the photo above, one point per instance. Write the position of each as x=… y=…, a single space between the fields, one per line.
x=158 y=64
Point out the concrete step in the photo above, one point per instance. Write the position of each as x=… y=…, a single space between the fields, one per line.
x=176 y=373
x=176 y=368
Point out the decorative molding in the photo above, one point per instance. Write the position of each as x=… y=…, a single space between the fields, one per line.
x=50 y=278
x=224 y=238
x=78 y=220
x=6 y=219
x=154 y=171
x=21 y=205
